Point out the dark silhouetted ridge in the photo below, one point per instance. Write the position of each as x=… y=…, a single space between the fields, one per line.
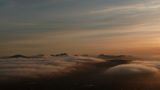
x=18 y=56
x=62 y=54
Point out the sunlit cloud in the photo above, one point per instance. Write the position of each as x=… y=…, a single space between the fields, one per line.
x=131 y=69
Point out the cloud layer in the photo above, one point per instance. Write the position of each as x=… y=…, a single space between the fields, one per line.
x=131 y=69
x=76 y=72
x=21 y=67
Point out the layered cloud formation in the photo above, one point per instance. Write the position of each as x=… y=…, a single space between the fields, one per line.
x=131 y=69
x=22 y=67
x=76 y=72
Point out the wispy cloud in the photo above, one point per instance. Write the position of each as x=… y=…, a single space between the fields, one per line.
x=131 y=8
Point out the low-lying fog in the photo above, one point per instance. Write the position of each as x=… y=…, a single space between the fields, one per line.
x=79 y=73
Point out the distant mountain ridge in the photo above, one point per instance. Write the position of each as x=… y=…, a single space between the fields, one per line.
x=62 y=54
x=18 y=56
x=22 y=56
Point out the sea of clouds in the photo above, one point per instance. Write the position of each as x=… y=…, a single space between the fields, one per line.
x=37 y=67
x=78 y=72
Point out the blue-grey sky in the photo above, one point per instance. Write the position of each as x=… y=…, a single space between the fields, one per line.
x=79 y=26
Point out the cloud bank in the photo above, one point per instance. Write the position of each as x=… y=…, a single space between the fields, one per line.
x=76 y=73
x=21 y=67
x=131 y=69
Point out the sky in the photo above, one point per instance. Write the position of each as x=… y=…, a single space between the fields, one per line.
x=80 y=27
